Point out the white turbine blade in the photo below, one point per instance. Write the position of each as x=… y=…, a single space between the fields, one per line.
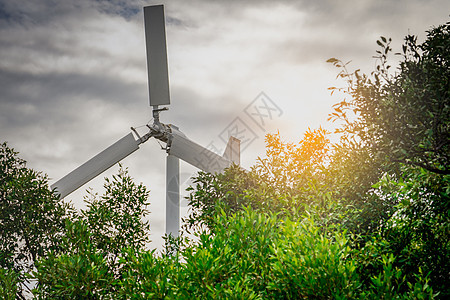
x=196 y=155
x=96 y=165
x=233 y=150
x=172 y=195
x=155 y=38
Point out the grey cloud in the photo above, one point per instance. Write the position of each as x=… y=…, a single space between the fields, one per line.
x=33 y=13
x=127 y=9
x=191 y=108
x=49 y=89
x=176 y=22
x=348 y=30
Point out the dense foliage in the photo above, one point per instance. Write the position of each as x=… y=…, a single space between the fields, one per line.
x=386 y=181
x=31 y=218
x=255 y=255
x=94 y=243
x=366 y=217
x=402 y=117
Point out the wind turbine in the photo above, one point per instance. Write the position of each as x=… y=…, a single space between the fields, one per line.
x=178 y=146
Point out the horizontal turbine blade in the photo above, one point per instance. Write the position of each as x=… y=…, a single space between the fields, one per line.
x=96 y=165
x=155 y=39
x=196 y=155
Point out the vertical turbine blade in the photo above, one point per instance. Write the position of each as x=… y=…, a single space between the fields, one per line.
x=96 y=165
x=233 y=150
x=172 y=195
x=155 y=39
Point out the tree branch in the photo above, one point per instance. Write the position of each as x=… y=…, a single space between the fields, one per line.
x=423 y=166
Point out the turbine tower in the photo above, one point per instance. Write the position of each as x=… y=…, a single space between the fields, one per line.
x=178 y=146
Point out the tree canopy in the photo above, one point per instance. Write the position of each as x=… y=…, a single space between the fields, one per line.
x=403 y=116
x=31 y=216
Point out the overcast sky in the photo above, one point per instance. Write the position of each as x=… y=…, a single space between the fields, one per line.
x=73 y=74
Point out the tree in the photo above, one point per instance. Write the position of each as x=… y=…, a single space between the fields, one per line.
x=31 y=216
x=256 y=255
x=418 y=233
x=96 y=242
x=387 y=178
x=288 y=178
x=400 y=123
x=402 y=118
x=116 y=220
x=9 y=284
